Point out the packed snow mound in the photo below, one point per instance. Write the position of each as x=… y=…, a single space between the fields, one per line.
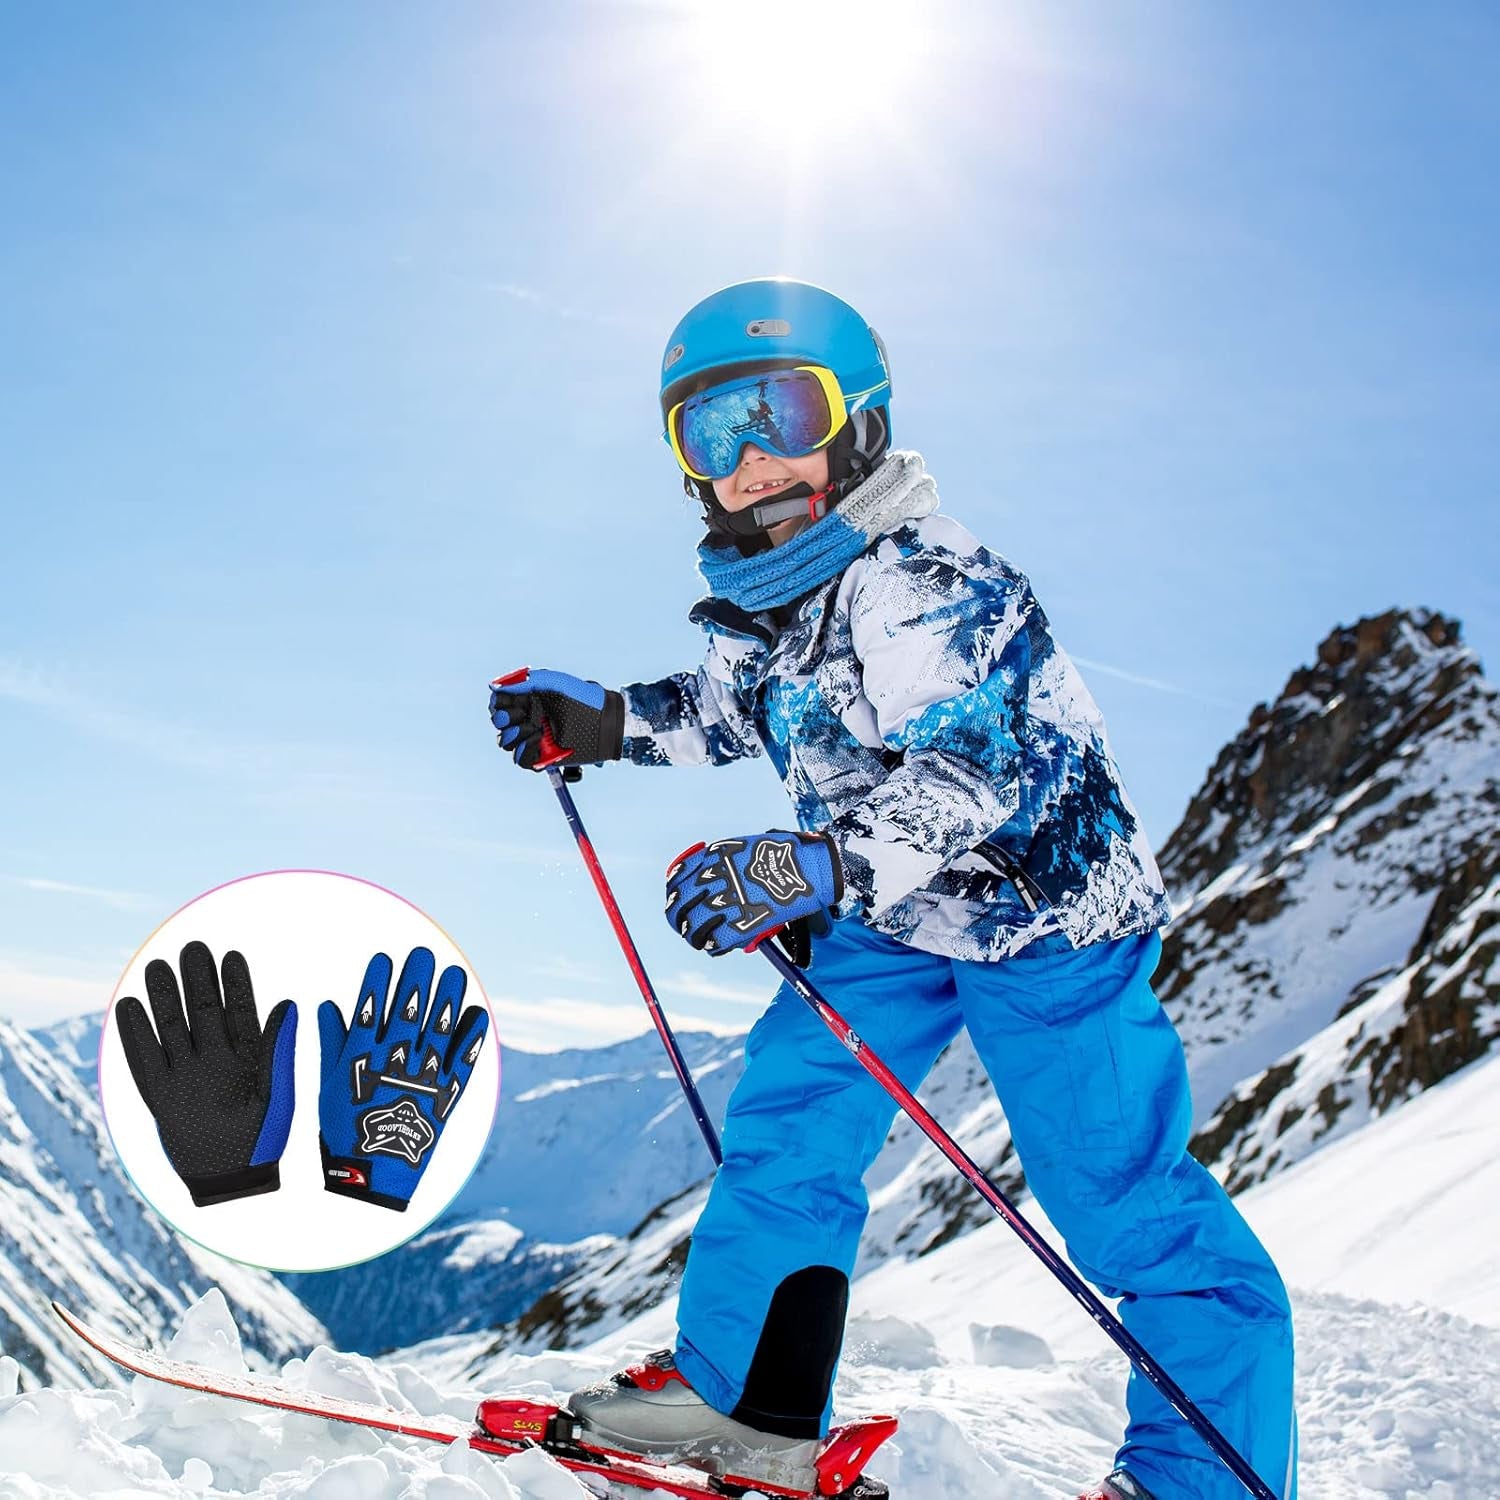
x=1396 y=1403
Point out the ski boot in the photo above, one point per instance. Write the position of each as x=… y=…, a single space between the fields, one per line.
x=649 y=1411
x=1119 y=1486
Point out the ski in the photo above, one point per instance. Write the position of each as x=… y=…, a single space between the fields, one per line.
x=504 y=1427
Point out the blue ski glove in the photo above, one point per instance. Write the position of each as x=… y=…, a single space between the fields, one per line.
x=733 y=893
x=218 y=1084
x=391 y=1080
x=553 y=719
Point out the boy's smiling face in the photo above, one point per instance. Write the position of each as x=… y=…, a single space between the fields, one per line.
x=763 y=476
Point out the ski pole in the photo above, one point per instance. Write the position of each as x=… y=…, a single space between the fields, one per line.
x=558 y=778
x=1082 y=1292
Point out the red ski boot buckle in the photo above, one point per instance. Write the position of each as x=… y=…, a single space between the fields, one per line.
x=653 y=1377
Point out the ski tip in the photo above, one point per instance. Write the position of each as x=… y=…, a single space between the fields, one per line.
x=80 y=1329
x=74 y=1323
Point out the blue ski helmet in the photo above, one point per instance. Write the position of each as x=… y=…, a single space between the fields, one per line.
x=774 y=322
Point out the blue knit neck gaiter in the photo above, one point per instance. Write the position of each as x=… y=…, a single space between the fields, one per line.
x=899 y=490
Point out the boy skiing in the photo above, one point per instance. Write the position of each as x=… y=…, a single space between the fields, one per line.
x=962 y=823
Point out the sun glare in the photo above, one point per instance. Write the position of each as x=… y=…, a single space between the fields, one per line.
x=804 y=74
x=771 y=115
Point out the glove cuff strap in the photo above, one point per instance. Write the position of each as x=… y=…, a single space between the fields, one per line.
x=246 y=1183
x=612 y=725
x=349 y=1177
x=836 y=860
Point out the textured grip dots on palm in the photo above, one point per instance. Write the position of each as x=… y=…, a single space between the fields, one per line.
x=392 y=1076
x=218 y=1084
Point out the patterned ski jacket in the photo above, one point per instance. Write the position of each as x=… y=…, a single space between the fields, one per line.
x=917 y=709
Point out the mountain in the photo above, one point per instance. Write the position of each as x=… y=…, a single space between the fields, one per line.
x=72 y=1227
x=1336 y=944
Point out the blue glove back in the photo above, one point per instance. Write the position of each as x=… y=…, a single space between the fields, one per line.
x=732 y=893
x=391 y=1079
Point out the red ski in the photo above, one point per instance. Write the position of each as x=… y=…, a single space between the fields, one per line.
x=504 y=1427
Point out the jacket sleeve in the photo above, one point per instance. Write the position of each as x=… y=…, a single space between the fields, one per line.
x=687 y=719
x=945 y=655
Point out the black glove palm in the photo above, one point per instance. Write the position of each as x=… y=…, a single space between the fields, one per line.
x=219 y=1087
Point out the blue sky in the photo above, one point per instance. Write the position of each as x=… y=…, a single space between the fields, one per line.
x=328 y=345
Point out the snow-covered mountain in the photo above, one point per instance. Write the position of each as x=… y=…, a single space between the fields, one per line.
x=73 y=1228
x=1336 y=949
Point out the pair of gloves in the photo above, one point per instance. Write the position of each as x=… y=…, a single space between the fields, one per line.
x=730 y=894
x=220 y=1085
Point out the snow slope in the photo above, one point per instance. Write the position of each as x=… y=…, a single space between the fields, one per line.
x=1395 y=1404
x=1398 y=1399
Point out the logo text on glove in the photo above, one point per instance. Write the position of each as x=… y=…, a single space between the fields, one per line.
x=400 y=1129
x=774 y=868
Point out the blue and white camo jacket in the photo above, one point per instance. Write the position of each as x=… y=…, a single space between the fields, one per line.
x=918 y=709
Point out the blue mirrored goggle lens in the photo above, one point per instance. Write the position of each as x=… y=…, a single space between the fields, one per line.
x=783 y=411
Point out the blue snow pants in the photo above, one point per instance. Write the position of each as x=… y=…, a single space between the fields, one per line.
x=1091 y=1075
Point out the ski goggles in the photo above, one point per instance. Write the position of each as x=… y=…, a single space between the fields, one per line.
x=789 y=412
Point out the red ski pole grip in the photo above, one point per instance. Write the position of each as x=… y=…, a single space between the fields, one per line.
x=552 y=752
x=770 y=932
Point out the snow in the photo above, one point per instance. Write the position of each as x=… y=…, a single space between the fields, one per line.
x=1398 y=1314
x=1405 y=1209
x=1395 y=1403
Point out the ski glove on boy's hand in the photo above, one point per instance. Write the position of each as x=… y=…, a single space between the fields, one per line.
x=541 y=713
x=730 y=894
x=219 y=1086
x=390 y=1081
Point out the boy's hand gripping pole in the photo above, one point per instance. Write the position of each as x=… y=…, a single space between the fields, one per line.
x=1223 y=1450
x=559 y=777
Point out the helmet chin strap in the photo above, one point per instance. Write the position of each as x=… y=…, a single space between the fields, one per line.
x=800 y=500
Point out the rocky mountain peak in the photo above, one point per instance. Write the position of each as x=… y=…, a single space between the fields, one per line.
x=1375 y=689
x=1337 y=885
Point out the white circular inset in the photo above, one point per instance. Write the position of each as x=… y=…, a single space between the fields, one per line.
x=309 y=936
